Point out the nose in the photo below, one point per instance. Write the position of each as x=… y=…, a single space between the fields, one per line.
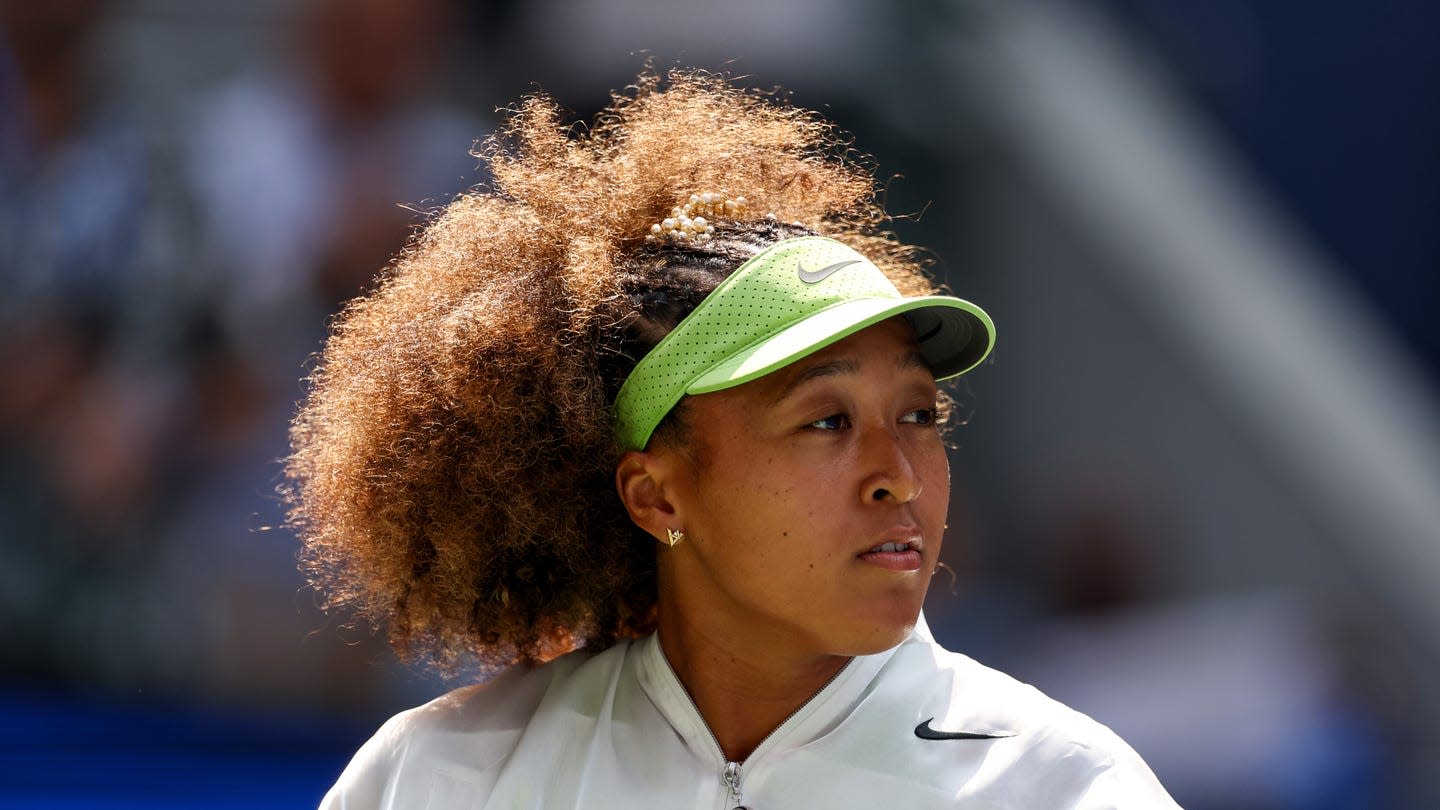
x=891 y=476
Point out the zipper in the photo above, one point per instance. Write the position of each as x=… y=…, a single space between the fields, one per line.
x=730 y=776
x=732 y=782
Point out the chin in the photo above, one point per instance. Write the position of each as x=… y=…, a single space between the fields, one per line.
x=878 y=637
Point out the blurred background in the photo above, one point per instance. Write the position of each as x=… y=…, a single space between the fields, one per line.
x=1198 y=494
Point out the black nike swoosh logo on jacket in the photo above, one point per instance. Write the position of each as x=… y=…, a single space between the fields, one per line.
x=925 y=732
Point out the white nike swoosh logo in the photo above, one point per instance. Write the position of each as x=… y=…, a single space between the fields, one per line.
x=817 y=276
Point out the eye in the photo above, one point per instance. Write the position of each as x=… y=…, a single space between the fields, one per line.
x=837 y=421
x=922 y=416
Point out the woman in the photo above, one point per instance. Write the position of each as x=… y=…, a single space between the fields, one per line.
x=667 y=398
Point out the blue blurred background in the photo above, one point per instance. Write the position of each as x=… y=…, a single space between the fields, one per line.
x=1198 y=495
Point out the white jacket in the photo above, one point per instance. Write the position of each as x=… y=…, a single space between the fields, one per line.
x=618 y=730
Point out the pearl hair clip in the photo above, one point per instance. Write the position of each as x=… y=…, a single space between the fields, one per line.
x=692 y=220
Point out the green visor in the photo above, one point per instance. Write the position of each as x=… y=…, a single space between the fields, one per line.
x=788 y=301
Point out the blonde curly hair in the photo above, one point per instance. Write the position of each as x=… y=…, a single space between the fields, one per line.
x=451 y=467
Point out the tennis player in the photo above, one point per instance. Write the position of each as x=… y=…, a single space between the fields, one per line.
x=653 y=430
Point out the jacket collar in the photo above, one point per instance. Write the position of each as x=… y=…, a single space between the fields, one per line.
x=817 y=717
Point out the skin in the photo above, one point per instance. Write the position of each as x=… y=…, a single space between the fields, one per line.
x=785 y=485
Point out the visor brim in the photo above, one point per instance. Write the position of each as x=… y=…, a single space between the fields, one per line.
x=954 y=336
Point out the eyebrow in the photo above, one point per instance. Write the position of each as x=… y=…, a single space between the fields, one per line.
x=834 y=368
x=915 y=359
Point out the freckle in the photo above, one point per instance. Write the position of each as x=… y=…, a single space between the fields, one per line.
x=784 y=534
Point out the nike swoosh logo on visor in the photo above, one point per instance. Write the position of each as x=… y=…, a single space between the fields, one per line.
x=817 y=276
x=925 y=732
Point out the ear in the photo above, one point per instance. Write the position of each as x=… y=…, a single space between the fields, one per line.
x=647 y=483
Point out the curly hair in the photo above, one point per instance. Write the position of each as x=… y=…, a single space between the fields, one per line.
x=451 y=474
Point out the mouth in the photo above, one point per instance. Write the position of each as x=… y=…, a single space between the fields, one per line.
x=905 y=546
x=895 y=555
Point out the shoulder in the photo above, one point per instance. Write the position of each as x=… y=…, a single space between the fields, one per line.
x=458 y=741
x=1040 y=746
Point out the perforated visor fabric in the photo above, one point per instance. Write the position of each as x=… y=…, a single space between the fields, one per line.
x=788 y=301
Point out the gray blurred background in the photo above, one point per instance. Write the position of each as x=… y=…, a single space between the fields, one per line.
x=1198 y=494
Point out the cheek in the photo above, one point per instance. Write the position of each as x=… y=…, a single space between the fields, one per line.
x=776 y=521
x=741 y=502
x=936 y=499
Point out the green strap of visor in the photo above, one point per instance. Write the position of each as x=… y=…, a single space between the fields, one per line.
x=788 y=301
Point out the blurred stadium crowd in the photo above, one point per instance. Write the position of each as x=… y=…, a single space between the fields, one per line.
x=188 y=191
x=164 y=285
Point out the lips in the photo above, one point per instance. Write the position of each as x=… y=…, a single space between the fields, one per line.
x=899 y=538
x=901 y=553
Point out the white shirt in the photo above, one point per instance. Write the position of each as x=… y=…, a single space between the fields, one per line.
x=617 y=729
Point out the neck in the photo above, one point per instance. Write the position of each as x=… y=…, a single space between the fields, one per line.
x=744 y=689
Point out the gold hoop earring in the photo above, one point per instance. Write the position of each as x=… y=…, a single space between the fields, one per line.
x=673 y=536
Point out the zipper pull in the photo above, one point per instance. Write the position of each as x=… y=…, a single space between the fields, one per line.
x=731 y=780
